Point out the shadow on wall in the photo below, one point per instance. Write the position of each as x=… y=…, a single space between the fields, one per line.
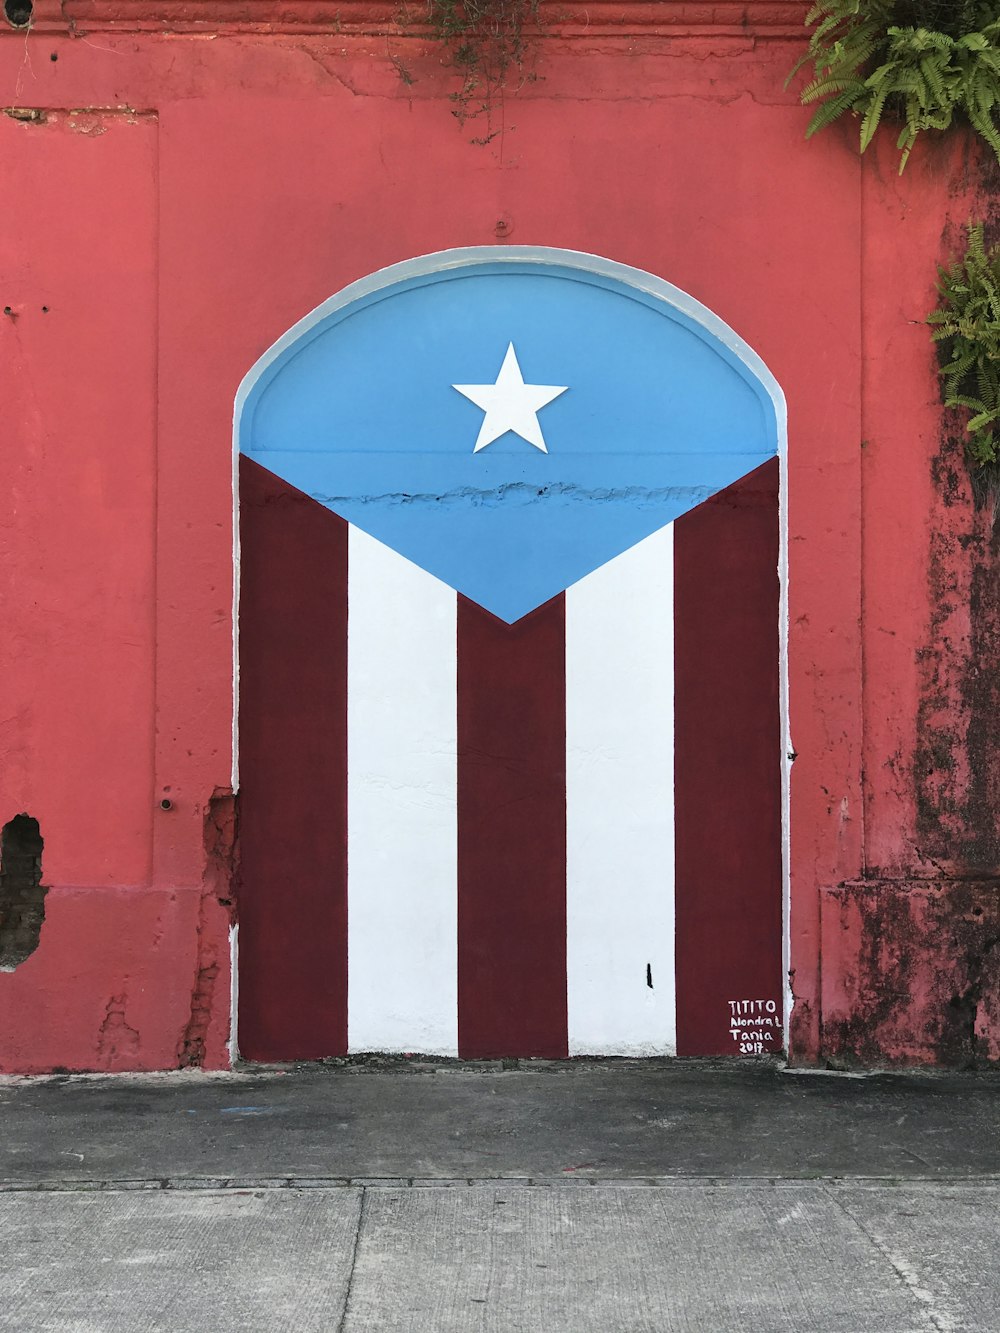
x=22 y=893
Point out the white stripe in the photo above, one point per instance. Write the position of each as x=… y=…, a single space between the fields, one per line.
x=402 y=904
x=620 y=804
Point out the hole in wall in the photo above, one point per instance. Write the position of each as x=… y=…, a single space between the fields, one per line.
x=22 y=893
x=18 y=12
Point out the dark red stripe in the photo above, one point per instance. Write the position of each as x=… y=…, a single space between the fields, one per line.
x=727 y=765
x=293 y=773
x=512 y=833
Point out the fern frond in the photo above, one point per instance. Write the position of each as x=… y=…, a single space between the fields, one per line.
x=892 y=66
x=982 y=421
x=872 y=117
x=829 y=111
x=962 y=400
x=826 y=87
x=966 y=326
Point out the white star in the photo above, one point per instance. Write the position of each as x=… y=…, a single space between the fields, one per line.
x=510 y=404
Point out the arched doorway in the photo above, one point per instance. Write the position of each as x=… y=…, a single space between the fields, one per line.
x=510 y=636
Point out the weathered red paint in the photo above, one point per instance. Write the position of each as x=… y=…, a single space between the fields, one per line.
x=891 y=990
x=728 y=828
x=512 y=832
x=217 y=190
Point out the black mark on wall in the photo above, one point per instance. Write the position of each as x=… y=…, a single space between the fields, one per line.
x=18 y=12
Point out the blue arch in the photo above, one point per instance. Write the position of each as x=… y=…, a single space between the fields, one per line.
x=356 y=406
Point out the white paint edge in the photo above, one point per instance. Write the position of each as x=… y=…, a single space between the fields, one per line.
x=234 y=777
x=620 y=862
x=234 y=993
x=234 y=771
x=784 y=697
x=402 y=804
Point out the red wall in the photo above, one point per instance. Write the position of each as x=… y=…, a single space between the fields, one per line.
x=228 y=176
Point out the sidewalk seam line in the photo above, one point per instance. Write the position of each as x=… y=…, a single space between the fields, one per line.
x=342 y=1325
x=230 y=1184
x=940 y=1322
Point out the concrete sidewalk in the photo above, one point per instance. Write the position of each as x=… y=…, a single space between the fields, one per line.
x=605 y=1196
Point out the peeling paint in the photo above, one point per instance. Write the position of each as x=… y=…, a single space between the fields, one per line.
x=912 y=973
x=220 y=863
x=956 y=765
x=31 y=115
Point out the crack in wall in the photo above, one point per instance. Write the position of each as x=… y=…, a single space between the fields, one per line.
x=520 y=494
x=220 y=867
x=117 y=1041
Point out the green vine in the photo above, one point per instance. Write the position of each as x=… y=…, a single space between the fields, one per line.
x=486 y=44
x=919 y=62
x=967 y=331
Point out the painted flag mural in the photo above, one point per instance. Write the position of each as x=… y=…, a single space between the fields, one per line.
x=510 y=725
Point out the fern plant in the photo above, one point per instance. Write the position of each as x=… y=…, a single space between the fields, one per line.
x=920 y=62
x=967 y=330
